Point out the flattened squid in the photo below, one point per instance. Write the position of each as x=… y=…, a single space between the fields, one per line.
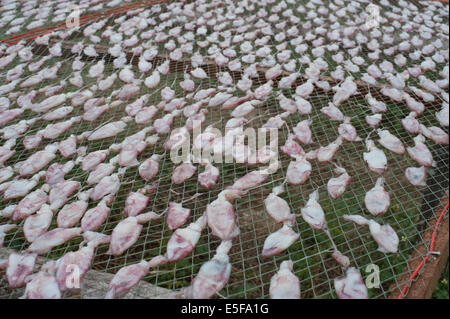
x=212 y=276
x=278 y=208
x=351 y=286
x=19 y=267
x=284 y=284
x=375 y=158
x=127 y=232
x=420 y=152
x=82 y=259
x=52 y=238
x=377 y=200
x=384 y=235
x=336 y=186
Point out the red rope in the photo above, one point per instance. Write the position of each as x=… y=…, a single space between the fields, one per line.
x=83 y=20
x=433 y=240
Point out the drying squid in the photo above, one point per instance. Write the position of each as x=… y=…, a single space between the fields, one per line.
x=292 y=148
x=279 y=241
x=391 y=142
x=384 y=235
x=333 y=112
x=43 y=285
x=68 y=146
x=249 y=180
x=55 y=172
x=420 y=152
x=375 y=158
x=336 y=186
x=29 y=205
x=298 y=171
x=302 y=132
x=313 y=213
x=212 y=276
x=20 y=187
x=220 y=215
x=434 y=133
x=135 y=203
x=375 y=105
x=351 y=286
x=150 y=167
x=95 y=217
x=325 y=153
x=55 y=237
x=348 y=132
x=108 y=185
x=38 y=160
x=209 y=177
x=377 y=200
x=37 y=224
x=126 y=278
x=20 y=266
x=108 y=130
x=183 y=240
x=127 y=232
x=417 y=176
x=411 y=124
x=183 y=172
x=81 y=259
x=443 y=115
x=278 y=208
x=60 y=193
x=284 y=284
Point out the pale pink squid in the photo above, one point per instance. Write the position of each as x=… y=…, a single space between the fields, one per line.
x=348 y=132
x=420 y=152
x=351 y=286
x=82 y=259
x=390 y=141
x=127 y=232
x=434 y=133
x=417 y=176
x=129 y=276
x=150 y=167
x=183 y=172
x=60 y=193
x=278 y=208
x=302 y=132
x=221 y=217
x=43 y=285
x=37 y=224
x=375 y=158
x=325 y=153
x=377 y=200
x=29 y=205
x=250 y=180
x=55 y=237
x=72 y=213
x=298 y=171
x=212 y=276
x=384 y=235
x=183 y=240
x=284 y=284
x=279 y=241
x=209 y=177
x=19 y=267
x=336 y=186
x=95 y=217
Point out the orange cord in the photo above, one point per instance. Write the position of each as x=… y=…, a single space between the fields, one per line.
x=433 y=240
x=83 y=20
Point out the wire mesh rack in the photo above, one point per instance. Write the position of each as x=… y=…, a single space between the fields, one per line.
x=412 y=209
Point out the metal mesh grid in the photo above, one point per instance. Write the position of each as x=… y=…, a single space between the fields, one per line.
x=251 y=273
